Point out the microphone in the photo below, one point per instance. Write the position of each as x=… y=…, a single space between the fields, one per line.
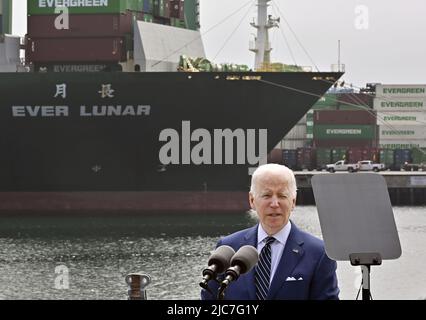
x=242 y=262
x=218 y=262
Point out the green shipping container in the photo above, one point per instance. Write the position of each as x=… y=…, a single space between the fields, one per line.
x=350 y=107
x=83 y=6
x=345 y=132
x=419 y=155
x=159 y=8
x=339 y=154
x=328 y=101
x=148 y=17
x=192 y=14
x=323 y=157
x=5 y=16
x=386 y=157
x=177 y=23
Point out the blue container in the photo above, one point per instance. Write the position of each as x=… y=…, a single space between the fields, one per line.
x=306 y=159
x=400 y=157
x=147 y=6
x=290 y=158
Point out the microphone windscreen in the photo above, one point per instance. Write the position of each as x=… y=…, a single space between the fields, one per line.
x=246 y=258
x=221 y=257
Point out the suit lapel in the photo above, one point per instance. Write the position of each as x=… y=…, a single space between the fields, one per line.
x=250 y=239
x=291 y=256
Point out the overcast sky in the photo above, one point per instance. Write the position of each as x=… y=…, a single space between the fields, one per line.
x=381 y=40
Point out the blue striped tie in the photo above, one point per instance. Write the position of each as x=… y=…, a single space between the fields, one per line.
x=263 y=270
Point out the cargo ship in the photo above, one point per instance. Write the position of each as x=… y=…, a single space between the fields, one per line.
x=109 y=115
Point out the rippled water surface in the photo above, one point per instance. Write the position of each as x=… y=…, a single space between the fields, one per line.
x=99 y=251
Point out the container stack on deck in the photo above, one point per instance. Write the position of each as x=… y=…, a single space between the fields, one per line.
x=401 y=111
x=297 y=136
x=387 y=127
x=97 y=36
x=345 y=128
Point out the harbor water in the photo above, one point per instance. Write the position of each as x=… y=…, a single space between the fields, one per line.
x=86 y=257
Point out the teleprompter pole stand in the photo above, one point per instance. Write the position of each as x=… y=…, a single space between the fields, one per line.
x=365 y=260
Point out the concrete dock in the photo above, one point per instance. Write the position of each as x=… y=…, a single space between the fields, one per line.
x=405 y=187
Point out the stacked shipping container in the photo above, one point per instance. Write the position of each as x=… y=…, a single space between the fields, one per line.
x=338 y=121
x=306 y=159
x=323 y=157
x=296 y=137
x=418 y=155
x=351 y=126
x=354 y=101
x=96 y=35
x=401 y=116
x=345 y=128
x=337 y=101
x=187 y=11
x=317 y=158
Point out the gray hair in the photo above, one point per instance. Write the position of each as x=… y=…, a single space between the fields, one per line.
x=277 y=169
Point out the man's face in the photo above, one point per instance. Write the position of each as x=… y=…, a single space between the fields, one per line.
x=272 y=201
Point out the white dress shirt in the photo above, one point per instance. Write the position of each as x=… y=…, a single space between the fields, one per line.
x=277 y=247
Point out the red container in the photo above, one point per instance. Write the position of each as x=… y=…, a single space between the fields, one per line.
x=81 y=26
x=76 y=50
x=176 y=8
x=138 y=15
x=344 y=143
x=360 y=117
x=306 y=158
x=275 y=156
x=167 y=8
x=359 y=154
x=355 y=155
x=371 y=154
x=358 y=99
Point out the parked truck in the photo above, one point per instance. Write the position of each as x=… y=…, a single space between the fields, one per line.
x=414 y=166
x=341 y=165
x=368 y=165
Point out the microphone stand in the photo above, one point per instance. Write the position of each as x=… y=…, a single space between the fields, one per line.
x=208 y=274
x=232 y=274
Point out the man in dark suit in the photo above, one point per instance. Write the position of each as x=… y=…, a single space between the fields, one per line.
x=292 y=263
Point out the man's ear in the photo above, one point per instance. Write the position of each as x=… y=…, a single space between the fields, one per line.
x=293 y=205
x=251 y=201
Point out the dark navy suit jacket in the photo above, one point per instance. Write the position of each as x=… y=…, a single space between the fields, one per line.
x=304 y=271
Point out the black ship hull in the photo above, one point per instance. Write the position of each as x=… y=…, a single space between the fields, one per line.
x=84 y=133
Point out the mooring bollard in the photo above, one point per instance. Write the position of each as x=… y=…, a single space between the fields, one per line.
x=137 y=283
